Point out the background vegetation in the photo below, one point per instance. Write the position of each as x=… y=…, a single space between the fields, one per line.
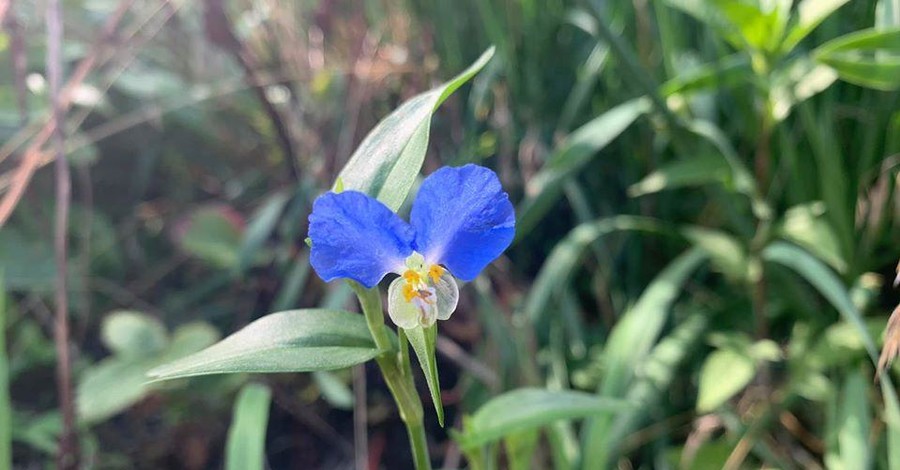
x=707 y=227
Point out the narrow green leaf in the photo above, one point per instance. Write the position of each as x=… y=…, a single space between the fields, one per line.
x=575 y=152
x=724 y=73
x=260 y=228
x=724 y=373
x=706 y=12
x=520 y=447
x=388 y=160
x=112 y=385
x=562 y=261
x=246 y=446
x=805 y=225
x=869 y=58
x=741 y=178
x=638 y=329
x=658 y=371
x=423 y=341
x=892 y=420
x=40 y=432
x=880 y=74
x=291 y=341
x=5 y=403
x=760 y=30
x=726 y=253
x=795 y=83
x=334 y=390
x=810 y=14
x=827 y=283
x=629 y=344
x=855 y=423
x=292 y=285
x=530 y=408
x=696 y=171
x=115 y=383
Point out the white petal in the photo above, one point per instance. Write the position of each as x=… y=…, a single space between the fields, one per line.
x=404 y=314
x=447 y=293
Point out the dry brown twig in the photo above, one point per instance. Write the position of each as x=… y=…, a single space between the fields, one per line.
x=891 y=347
x=67 y=455
x=34 y=153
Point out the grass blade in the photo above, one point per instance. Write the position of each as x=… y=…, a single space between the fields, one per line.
x=530 y=408
x=629 y=344
x=246 y=447
x=575 y=152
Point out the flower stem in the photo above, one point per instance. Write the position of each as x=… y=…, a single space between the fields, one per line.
x=396 y=374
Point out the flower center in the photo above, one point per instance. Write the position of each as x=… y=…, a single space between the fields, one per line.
x=418 y=287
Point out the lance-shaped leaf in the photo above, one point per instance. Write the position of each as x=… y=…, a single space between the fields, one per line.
x=529 y=408
x=869 y=58
x=387 y=161
x=291 y=341
x=423 y=341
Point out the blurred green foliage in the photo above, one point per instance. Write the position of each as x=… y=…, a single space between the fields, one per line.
x=707 y=207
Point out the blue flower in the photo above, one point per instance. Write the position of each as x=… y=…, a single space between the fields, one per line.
x=461 y=220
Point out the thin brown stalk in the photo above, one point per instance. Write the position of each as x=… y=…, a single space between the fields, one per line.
x=220 y=32
x=67 y=455
x=33 y=153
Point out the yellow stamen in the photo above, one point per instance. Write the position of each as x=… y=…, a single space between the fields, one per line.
x=412 y=277
x=409 y=292
x=435 y=272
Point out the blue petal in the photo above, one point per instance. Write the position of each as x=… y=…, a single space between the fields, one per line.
x=463 y=219
x=355 y=236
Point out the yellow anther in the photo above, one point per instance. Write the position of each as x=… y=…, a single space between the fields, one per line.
x=412 y=277
x=409 y=292
x=435 y=272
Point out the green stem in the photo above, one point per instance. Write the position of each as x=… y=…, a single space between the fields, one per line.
x=396 y=374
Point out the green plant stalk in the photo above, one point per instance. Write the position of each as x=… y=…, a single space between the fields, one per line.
x=397 y=374
x=5 y=404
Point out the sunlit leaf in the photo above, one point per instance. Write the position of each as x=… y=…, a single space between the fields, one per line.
x=796 y=83
x=810 y=13
x=806 y=226
x=725 y=372
x=869 y=58
x=386 y=163
x=291 y=341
